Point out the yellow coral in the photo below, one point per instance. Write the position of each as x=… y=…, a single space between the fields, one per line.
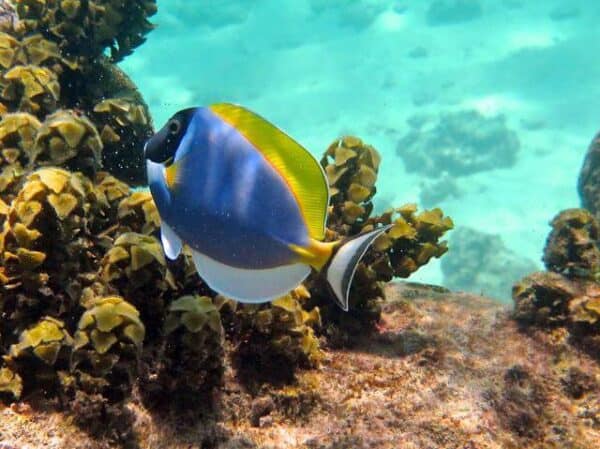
x=31 y=87
x=44 y=340
x=10 y=382
x=107 y=321
x=67 y=135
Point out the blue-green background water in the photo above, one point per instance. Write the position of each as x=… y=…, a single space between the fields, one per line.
x=322 y=68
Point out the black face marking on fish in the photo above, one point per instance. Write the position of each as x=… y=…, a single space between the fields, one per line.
x=161 y=147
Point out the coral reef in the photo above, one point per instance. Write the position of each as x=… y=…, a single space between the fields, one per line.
x=86 y=29
x=589 y=178
x=435 y=191
x=460 y=143
x=572 y=247
x=481 y=263
x=437 y=374
x=272 y=340
x=566 y=299
x=351 y=167
x=95 y=321
x=189 y=363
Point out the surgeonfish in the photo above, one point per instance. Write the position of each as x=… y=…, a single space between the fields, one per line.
x=250 y=203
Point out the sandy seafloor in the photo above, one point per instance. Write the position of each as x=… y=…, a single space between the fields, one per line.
x=322 y=68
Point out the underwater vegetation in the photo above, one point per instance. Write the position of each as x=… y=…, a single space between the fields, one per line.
x=566 y=298
x=351 y=167
x=92 y=313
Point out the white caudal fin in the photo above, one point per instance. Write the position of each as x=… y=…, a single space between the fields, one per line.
x=170 y=241
x=248 y=285
x=343 y=265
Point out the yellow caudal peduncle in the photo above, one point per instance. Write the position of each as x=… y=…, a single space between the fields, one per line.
x=316 y=254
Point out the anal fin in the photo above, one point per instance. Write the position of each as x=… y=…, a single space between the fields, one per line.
x=249 y=285
x=171 y=242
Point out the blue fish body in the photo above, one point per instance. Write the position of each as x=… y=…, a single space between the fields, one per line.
x=228 y=202
x=249 y=202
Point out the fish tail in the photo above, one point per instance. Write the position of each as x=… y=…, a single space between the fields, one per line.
x=343 y=263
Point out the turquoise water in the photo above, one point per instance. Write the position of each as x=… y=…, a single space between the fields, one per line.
x=508 y=87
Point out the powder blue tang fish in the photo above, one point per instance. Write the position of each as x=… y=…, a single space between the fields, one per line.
x=249 y=202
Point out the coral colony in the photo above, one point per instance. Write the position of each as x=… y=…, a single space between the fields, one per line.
x=89 y=305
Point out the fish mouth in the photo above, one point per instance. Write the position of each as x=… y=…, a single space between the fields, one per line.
x=157 y=148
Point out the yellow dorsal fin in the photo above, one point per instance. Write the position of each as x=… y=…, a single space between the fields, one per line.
x=299 y=168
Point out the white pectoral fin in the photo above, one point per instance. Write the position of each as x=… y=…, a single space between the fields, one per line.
x=170 y=241
x=343 y=265
x=249 y=285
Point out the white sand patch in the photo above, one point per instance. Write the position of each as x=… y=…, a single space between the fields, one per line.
x=518 y=40
x=390 y=21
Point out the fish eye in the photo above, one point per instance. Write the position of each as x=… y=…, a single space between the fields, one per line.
x=174 y=126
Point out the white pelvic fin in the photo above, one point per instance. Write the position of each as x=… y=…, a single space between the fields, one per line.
x=170 y=241
x=343 y=265
x=250 y=286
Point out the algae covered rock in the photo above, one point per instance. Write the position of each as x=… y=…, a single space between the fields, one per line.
x=190 y=363
x=275 y=339
x=136 y=267
x=108 y=333
x=588 y=184
x=10 y=383
x=45 y=341
x=569 y=294
x=138 y=213
x=46 y=246
x=123 y=124
x=351 y=167
x=104 y=364
x=572 y=248
x=543 y=298
x=30 y=88
x=42 y=351
x=17 y=138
